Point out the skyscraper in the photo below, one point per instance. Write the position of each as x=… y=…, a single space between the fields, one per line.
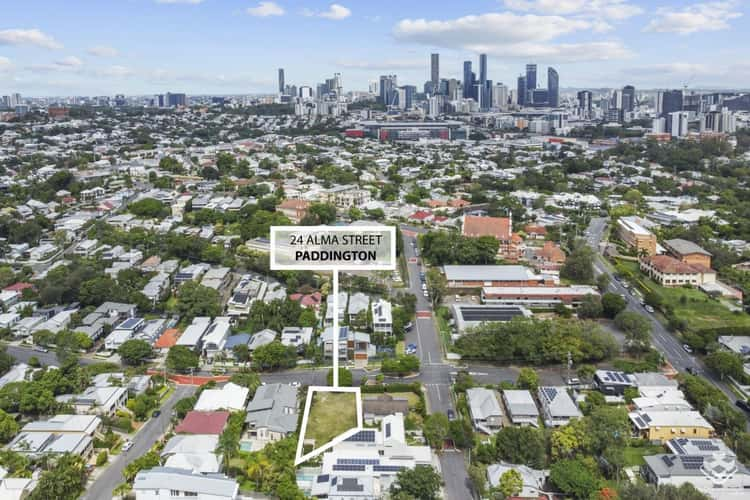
x=628 y=98
x=281 y=80
x=500 y=96
x=530 y=76
x=388 y=89
x=553 y=87
x=668 y=101
x=435 y=70
x=521 y=91
x=483 y=92
x=483 y=69
x=584 y=104
x=468 y=80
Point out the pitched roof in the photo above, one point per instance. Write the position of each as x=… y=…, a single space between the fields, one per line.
x=498 y=227
x=385 y=404
x=685 y=247
x=168 y=338
x=203 y=422
x=214 y=485
x=669 y=265
x=274 y=406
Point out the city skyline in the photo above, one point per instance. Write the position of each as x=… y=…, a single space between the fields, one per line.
x=237 y=47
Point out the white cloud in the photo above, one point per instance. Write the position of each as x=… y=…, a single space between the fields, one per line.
x=5 y=64
x=335 y=11
x=190 y=2
x=616 y=10
x=381 y=65
x=115 y=71
x=265 y=9
x=69 y=62
x=28 y=37
x=510 y=35
x=712 y=16
x=103 y=51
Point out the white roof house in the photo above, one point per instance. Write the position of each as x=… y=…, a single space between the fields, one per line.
x=231 y=397
x=484 y=408
x=533 y=480
x=358 y=302
x=260 y=338
x=521 y=407
x=87 y=424
x=164 y=483
x=193 y=334
x=382 y=316
x=16 y=373
x=216 y=336
x=557 y=406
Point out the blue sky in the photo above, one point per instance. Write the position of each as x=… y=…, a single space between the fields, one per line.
x=76 y=47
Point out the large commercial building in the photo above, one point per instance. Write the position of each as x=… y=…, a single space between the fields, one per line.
x=536 y=297
x=496 y=276
x=636 y=236
x=412 y=131
x=470 y=315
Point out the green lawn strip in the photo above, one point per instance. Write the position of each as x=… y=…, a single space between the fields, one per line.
x=634 y=454
x=331 y=414
x=166 y=394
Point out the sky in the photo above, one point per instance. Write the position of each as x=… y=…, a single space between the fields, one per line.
x=106 y=47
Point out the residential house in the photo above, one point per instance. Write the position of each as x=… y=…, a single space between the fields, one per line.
x=167 y=483
x=215 y=338
x=294 y=210
x=613 y=383
x=499 y=228
x=231 y=397
x=203 y=422
x=660 y=426
x=484 y=409
x=273 y=412
x=261 y=338
x=296 y=336
x=98 y=400
x=558 y=407
x=343 y=299
x=533 y=480
x=358 y=304
x=718 y=476
x=382 y=317
x=193 y=334
x=521 y=407
x=378 y=406
x=192 y=452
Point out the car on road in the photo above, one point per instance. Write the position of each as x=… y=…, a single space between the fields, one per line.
x=408 y=326
x=40 y=348
x=649 y=309
x=451 y=414
x=294 y=383
x=424 y=292
x=692 y=370
x=574 y=382
x=687 y=348
x=127 y=446
x=743 y=405
x=424 y=286
x=156 y=413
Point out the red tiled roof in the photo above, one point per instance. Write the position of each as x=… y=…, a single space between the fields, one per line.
x=420 y=215
x=669 y=265
x=458 y=202
x=18 y=287
x=168 y=338
x=541 y=230
x=475 y=226
x=295 y=204
x=203 y=422
x=551 y=252
x=435 y=203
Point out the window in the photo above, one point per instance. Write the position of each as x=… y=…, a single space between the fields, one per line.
x=174 y=493
x=191 y=494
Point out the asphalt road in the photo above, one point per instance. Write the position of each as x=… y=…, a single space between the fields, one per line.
x=435 y=375
x=661 y=338
x=153 y=430
x=23 y=354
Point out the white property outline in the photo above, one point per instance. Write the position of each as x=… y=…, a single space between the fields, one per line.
x=335 y=340
x=338 y=439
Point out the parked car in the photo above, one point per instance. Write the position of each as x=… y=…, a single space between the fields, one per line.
x=40 y=348
x=687 y=348
x=574 y=381
x=127 y=446
x=156 y=413
x=743 y=405
x=408 y=326
x=424 y=292
x=294 y=383
x=451 y=414
x=692 y=370
x=649 y=309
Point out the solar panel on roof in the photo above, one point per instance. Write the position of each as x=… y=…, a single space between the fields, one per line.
x=352 y=468
x=358 y=461
x=366 y=436
x=667 y=460
x=387 y=468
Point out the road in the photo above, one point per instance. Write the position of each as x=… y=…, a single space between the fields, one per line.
x=49 y=358
x=435 y=374
x=153 y=430
x=661 y=338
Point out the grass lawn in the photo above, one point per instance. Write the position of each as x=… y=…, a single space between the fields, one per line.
x=634 y=455
x=698 y=309
x=413 y=398
x=444 y=330
x=331 y=414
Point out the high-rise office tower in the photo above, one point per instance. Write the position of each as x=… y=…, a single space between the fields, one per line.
x=499 y=96
x=468 y=80
x=678 y=123
x=530 y=76
x=521 y=91
x=14 y=100
x=338 y=86
x=483 y=91
x=553 y=87
x=483 y=69
x=388 y=89
x=584 y=104
x=628 y=98
x=668 y=101
x=435 y=70
x=175 y=100
x=281 y=80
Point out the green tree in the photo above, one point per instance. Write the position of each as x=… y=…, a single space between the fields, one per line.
x=521 y=445
x=511 y=483
x=574 y=477
x=637 y=329
x=275 y=355
x=726 y=364
x=102 y=458
x=437 y=286
x=421 y=483
x=246 y=378
x=241 y=353
x=149 y=208
x=181 y=358
x=65 y=480
x=579 y=265
x=8 y=427
x=590 y=307
x=147 y=461
x=435 y=429
x=135 y=351
x=319 y=213
x=528 y=379
x=602 y=282
x=612 y=304
x=195 y=299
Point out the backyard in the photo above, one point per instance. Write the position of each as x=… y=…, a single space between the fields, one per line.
x=331 y=414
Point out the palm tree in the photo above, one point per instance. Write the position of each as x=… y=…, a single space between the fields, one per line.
x=258 y=469
x=228 y=446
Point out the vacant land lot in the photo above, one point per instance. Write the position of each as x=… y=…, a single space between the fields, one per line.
x=331 y=414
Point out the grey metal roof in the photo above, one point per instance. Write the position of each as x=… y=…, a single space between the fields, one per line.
x=488 y=273
x=685 y=247
x=275 y=407
x=185 y=480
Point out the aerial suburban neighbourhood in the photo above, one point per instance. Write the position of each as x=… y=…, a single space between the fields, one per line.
x=566 y=316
